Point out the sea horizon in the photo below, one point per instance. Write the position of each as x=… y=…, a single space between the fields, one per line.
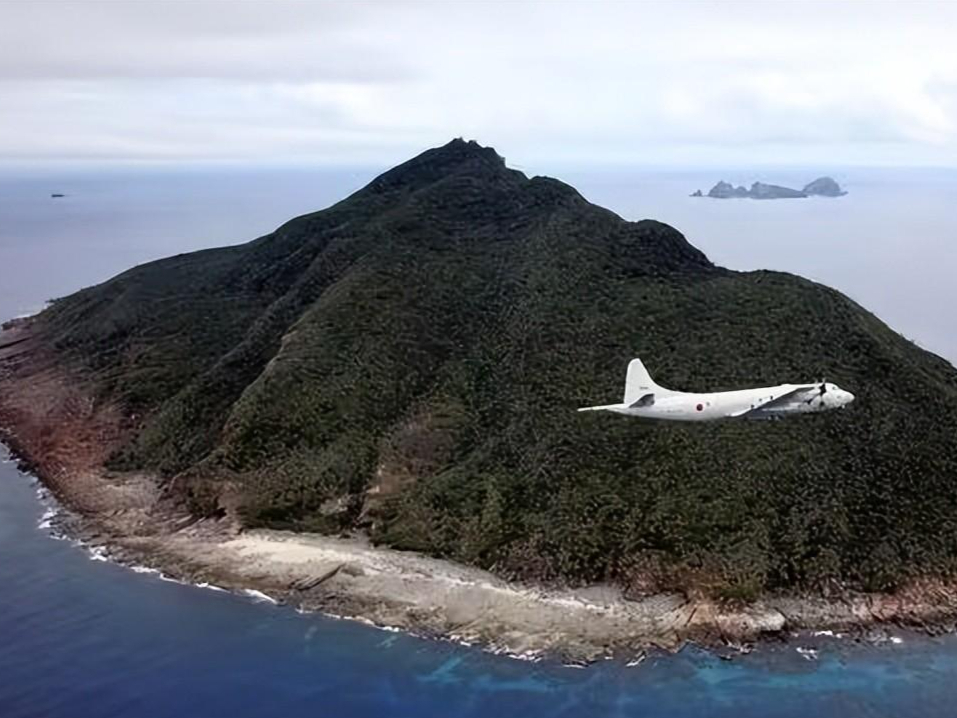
x=851 y=243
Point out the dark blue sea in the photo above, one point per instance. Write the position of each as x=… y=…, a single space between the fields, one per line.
x=82 y=637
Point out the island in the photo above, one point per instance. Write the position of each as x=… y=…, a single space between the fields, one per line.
x=825 y=187
x=822 y=186
x=370 y=412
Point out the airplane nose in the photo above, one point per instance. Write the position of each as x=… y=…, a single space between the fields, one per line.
x=850 y=397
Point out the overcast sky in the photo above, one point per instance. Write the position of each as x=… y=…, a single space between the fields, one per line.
x=566 y=82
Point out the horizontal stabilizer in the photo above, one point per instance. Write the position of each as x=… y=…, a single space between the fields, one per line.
x=646 y=400
x=606 y=407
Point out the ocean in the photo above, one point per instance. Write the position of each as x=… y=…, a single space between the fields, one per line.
x=81 y=637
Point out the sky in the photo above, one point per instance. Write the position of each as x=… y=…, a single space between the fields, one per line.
x=353 y=83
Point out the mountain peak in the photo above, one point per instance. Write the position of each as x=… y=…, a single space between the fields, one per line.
x=459 y=149
x=456 y=156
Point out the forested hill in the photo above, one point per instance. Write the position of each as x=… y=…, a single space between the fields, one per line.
x=408 y=362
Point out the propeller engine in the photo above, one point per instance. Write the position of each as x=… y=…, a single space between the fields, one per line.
x=821 y=391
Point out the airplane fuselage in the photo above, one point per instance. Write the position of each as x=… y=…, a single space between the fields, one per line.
x=644 y=398
x=755 y=403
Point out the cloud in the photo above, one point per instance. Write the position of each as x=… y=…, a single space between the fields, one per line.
x=251 y=41
x=578 y=82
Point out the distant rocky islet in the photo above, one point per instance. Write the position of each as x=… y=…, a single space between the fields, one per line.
x=821 y=187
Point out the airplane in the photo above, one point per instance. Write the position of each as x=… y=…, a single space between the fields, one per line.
x=644 y=398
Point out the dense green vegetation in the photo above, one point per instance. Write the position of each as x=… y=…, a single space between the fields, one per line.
x=408 y=362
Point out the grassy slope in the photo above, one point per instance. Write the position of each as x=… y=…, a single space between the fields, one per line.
x=409 y=361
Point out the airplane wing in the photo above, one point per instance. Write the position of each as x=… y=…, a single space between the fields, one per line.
x=776 y=401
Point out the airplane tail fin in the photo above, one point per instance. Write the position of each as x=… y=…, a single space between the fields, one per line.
x=638 y=382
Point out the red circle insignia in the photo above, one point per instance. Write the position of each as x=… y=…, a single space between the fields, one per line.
x=700 y=407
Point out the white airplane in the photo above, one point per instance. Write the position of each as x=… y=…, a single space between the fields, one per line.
x=646 y=399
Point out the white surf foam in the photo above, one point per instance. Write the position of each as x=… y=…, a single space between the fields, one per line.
x=97 y=553
x=144 y=569
x=50 y=520
x=259 y=596
x=46 y=521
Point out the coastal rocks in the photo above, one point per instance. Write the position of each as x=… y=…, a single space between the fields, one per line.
x=734 y=624
x=305 y=584
x=822 y=187
x=350 y=578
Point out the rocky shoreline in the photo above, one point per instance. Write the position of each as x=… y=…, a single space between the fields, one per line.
x=60 y=434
